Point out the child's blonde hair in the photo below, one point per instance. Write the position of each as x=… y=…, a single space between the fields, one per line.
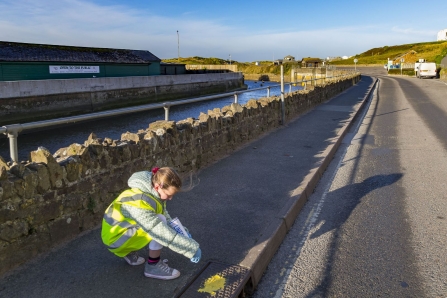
x=166 y=177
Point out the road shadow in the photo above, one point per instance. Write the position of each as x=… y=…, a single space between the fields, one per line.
x=355 y=192
x=339 y=215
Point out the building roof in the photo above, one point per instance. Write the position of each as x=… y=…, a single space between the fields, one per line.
x=311 y=60
x=27 y=52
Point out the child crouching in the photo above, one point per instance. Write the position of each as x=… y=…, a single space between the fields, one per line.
x=138 y=217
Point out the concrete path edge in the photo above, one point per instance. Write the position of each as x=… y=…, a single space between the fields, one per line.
x=272 y=236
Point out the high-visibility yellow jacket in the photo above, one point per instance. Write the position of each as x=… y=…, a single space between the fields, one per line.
x=131 y=222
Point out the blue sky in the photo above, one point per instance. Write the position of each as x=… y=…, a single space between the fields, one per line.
x=246 y=30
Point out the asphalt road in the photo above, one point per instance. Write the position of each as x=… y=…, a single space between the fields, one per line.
x=376 y=226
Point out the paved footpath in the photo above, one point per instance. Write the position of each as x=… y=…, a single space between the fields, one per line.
x=239 y=213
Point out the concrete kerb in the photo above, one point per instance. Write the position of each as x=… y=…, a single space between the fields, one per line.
x=261 y=254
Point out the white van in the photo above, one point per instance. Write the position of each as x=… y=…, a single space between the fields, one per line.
x=426 y=70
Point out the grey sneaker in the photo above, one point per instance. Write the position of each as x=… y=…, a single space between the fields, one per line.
x=134 y=259
x=161 y=271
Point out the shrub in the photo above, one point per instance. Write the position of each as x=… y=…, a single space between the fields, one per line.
x=405 y=72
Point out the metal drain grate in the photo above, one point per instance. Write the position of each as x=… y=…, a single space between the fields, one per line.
x=217 y=280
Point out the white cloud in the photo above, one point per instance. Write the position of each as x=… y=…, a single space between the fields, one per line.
x=411 y=31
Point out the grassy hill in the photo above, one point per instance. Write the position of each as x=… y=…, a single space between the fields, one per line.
x=245 y=67
x=197 y=61
x=431 y=51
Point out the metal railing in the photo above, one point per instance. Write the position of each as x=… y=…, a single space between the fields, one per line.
x=13 y=130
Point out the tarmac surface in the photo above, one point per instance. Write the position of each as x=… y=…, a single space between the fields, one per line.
x=239 y=213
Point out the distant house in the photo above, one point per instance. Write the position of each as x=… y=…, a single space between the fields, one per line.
x=289 y=58
x=172 y=68
x=409 y=57
x=311 y=62
x=442 y=35
x=26 y=61
x=277 y=62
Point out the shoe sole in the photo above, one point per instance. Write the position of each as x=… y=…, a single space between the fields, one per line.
x=161 y=277
x=134 y=264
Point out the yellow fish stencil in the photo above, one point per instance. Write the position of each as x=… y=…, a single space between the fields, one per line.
x=212 y=284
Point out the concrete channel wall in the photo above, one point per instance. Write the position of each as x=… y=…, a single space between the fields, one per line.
x=25 y=101
x=53 y=198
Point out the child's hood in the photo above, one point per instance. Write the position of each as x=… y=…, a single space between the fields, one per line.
x=143 y=181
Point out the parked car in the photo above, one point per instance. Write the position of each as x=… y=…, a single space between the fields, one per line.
x=426 y=70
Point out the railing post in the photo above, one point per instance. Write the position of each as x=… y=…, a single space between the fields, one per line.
x=166 y=106
x=283 y=108
x=12 y=131
x=268 y=91
x=235 y=97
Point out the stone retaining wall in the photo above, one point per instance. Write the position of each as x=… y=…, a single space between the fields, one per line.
x=53 y=198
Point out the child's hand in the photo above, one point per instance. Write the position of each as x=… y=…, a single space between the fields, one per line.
x=197 y=256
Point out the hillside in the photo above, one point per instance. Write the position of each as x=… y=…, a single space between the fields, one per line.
x=245 y=67
x=431 y=51
x=197 y=61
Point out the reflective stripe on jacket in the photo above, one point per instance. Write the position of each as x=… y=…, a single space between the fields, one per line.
x=122 y=235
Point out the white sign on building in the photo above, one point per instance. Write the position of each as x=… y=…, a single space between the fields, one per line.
x=442 y=35
x=73 y=69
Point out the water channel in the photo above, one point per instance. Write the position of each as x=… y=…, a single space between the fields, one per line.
x=63 y=136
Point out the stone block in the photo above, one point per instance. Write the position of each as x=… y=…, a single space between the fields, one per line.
x=11 y=230
x=49 y=196
x=92 y=140
x=42 y=155
x=185 y=124
x=131 y=137
x=166 y=126
x=73 y=169
x=30 y=183
x=10 y=210
x=252 y=104
x=67 y=189
x=46 y=211
x=89 y=220
x=73 y=202
x=63 y=229
x=96 y=149
x=18 y=170
x=134 y=151
x=85 y=186
x=43 y=178
x=3 y=163
x=3 y=172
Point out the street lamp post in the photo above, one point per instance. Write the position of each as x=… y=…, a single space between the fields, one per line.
x=178 y=47
x=401 y=62
x=230 y=59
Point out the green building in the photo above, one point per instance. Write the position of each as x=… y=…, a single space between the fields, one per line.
x=24 y=61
